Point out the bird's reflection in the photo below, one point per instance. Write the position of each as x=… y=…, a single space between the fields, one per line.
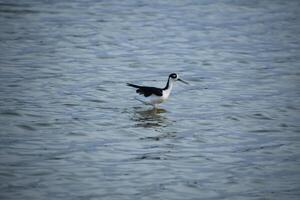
x=150 y=118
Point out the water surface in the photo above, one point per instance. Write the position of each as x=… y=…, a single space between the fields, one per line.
x=71 y=129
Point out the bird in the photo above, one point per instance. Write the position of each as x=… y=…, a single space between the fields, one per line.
x=157 y=95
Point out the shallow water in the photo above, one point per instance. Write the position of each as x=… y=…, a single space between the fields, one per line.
x=71 y=129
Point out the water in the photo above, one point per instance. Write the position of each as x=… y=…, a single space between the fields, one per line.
x=71 y=128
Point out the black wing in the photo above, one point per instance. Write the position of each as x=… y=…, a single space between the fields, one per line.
x=147 y=91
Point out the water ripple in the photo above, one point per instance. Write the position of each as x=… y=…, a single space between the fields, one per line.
x=71 y=129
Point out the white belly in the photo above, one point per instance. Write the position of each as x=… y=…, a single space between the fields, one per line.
x=155 y=100
x=159 y=99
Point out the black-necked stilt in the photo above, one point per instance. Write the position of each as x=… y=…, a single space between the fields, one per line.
x=157 y=95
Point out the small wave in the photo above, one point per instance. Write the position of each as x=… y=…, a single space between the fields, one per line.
x=10 y=113
x=26 y=127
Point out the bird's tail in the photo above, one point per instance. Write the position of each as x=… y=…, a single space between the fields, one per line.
x=132 y=85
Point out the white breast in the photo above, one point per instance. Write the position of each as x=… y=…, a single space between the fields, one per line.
x=154 y=100
x=166 y=94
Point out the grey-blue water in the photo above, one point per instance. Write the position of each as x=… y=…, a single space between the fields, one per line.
x=71 y=128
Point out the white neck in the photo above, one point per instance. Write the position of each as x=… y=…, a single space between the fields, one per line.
x=169 y=87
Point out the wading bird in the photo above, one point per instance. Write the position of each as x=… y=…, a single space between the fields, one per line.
x=155 y=95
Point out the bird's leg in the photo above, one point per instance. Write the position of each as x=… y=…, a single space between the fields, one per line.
x=144 y=102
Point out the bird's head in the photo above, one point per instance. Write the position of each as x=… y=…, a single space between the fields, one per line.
x=174 y=77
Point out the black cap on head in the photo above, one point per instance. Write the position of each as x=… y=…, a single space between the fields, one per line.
x=173 y=75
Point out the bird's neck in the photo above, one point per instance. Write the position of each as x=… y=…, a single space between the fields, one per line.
x=169 y=85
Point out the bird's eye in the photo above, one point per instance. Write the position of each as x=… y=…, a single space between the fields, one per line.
x=174 y=76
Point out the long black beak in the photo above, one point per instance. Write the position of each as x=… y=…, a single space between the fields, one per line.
x=183 y=81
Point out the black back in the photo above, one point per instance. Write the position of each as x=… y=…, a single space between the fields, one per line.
x=147 y=91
